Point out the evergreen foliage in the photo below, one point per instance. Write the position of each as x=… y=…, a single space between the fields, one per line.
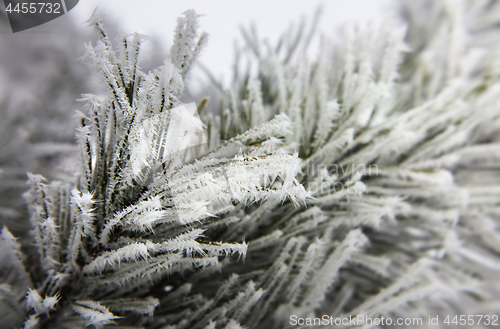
x=364 y=182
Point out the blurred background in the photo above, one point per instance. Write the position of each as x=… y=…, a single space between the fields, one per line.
x=222 y=20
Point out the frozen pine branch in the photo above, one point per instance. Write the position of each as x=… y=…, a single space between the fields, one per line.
x=359 y=182
x=136 y=177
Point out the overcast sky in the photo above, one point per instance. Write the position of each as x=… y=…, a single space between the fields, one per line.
x=222 y=19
